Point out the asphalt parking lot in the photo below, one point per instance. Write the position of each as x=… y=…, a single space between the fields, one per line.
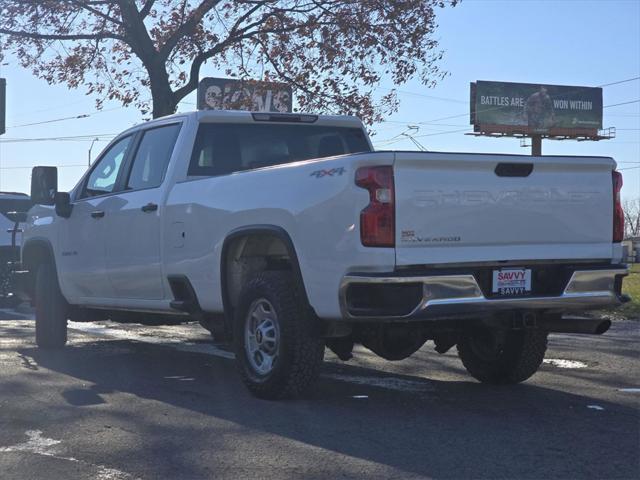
x=128 y=401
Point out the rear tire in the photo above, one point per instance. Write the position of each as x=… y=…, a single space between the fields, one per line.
x=505 y=357
x=278 y=353
x=51 y=309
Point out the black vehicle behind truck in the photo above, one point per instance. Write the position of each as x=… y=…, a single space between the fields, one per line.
x=13 y=208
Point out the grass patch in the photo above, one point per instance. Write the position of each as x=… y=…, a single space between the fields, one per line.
x=631 y=286
x=630 y=310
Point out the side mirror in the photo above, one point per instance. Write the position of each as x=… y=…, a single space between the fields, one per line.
x=63 y=204
x=44 y=185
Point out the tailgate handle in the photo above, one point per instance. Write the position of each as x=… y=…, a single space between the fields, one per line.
x=514 y=169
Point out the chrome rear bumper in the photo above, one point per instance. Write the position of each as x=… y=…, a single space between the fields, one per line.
x=446 y=296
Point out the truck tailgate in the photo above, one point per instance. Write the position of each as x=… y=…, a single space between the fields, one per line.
x=454 y=208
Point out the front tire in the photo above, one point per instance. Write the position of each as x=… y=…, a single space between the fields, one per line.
x=51 y=309
x=278 y=353
x=502 y=357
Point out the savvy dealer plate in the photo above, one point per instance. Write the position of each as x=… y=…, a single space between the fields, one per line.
x=512 y=281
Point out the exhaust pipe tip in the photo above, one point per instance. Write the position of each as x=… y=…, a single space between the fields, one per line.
x=589 y=326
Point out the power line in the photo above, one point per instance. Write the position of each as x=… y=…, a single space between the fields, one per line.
x=77 y=138
x=618 y=82
x=446 y=132
x=57 y=166
x=48 y=109
x=445 y=118
x=85 y=115
x=430 y=122
x=76 y=117
x=467 y=114
x=623 y=103
x=432 y=97
x=445 y=99
x=400 y=122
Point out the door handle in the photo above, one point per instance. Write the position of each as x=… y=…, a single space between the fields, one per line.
x=97 y=214
x=149 y=207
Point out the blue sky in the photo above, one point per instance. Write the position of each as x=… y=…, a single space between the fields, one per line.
x=572 y=42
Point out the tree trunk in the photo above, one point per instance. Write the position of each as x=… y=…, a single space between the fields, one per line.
x=163 y=103
x=164 y=100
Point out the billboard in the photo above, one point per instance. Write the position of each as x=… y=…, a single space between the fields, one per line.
x=3 y=104
x=533 y=108
x=233 y=94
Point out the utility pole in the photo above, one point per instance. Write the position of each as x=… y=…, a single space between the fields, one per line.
x=3 y=103
x=536 y=145
x=3 y=108
x=90 y=148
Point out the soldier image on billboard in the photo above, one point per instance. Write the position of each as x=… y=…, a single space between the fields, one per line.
x=539 y=110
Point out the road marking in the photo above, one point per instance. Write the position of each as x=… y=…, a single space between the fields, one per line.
x=13 y=314
x=595 y=407
x=48 y=447
x=629 y=390
x=563 y=363
x=178 y=344
x=36 y=444
x=180 y=378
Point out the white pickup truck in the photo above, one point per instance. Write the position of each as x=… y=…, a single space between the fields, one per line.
x=286 y=233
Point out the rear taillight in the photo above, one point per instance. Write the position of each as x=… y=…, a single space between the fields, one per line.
x=377 y=220
x=618 y=214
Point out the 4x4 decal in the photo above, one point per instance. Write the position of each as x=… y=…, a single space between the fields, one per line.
x=328 y=173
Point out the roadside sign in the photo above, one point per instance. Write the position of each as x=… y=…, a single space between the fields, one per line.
x=253 y=95
x=530 y=108
x=3 y=104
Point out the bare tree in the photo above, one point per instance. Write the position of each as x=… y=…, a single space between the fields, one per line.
x=631 y=209
x=333 y=52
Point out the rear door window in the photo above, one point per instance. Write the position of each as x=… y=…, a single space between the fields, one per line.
x=152 y=157
x=227 y=148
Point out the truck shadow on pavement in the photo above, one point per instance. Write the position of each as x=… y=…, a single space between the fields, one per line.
x=444 y=429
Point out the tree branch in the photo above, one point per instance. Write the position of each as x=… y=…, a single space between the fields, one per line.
x=136 y=33
x=98 y=13
x=50 y=36
x=146 y=9
x=194 y=73
x=239 y=35
x=187 y=27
